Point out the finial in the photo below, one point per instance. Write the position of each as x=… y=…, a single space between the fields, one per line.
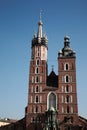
x=40 y=15
x=52 y=67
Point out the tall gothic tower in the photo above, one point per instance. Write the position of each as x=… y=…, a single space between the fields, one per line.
x=67 y=93
x=37 y=80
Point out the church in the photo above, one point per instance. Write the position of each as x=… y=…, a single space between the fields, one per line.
x=52 y=99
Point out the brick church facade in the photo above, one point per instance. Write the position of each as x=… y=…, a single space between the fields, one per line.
x=52 y=99
x=52 y=96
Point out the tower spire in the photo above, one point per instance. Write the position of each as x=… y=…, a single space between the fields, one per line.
x=40 y=28
x=40 y=15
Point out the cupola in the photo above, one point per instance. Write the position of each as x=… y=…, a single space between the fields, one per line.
x=66 y=51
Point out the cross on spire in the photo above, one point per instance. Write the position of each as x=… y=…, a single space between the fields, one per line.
x=52 y=67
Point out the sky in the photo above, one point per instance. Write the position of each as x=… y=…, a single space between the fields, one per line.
x=18 y=23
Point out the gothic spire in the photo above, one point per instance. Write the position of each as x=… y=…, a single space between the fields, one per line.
x=40 y=38
x=40 y=29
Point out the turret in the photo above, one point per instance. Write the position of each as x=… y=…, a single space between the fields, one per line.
x=66 y=50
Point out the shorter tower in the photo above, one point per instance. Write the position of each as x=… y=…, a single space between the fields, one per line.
x=67 y=91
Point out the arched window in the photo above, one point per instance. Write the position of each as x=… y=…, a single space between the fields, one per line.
x=36 y=88
x=66 y=66
x=37 y=79
x=36 y=98
x=67 y=78
x=52 y=100
x=68 y=109
x=37 y=71
x=36 y=109
x=67 y=88
x=67 y=99
x=37 y=62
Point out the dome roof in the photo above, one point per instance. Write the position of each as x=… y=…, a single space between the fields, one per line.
x=66 y=50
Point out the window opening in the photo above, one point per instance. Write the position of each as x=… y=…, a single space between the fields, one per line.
x=52 y=100
x=67 y=98
x=67 y=88
x=67 y=66
x=36 y=109
x=36 y=88
x=67 y=109
x=36 y=99
x=37 y=62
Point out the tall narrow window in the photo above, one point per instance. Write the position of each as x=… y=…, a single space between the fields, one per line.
x=36 y=88
x=36 y=100
x=67 y=79
x=67 y=88
x=67 y=99
x=68 y=109
x=52 y=100
x=36 y=109
x=66 y=66
x=37 y=80
x=37 y=62
x=37 y=71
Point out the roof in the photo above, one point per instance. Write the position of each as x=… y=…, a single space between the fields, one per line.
x=52 y=79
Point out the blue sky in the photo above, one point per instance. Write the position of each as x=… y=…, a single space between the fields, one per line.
x=18 y=22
